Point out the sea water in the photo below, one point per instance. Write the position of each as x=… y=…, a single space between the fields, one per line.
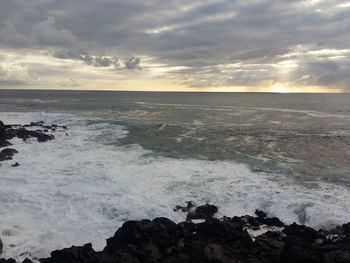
x=130 y=156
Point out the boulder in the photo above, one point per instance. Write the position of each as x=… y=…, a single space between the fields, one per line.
x=4 y=143
x=16 y=164
x=202 y=212
x=7 y=154
x=71 y=255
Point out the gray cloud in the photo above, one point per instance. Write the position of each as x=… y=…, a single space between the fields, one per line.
x=47 y=33
x=99 y=61
x=203 y=36
x=133 y=63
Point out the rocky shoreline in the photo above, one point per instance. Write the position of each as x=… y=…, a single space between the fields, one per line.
x=37 y=130
x=258 y=239
x=201 y=238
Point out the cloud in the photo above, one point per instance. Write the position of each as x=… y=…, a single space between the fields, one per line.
x=68 y=83
x=46 y=33
x=132 y=63
x=215 y=42
x=16 y=75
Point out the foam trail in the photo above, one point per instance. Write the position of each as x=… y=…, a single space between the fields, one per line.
x=80 y=188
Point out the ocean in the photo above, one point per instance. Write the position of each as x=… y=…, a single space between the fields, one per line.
x=136 y=155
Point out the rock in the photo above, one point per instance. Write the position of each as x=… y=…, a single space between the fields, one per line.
x=16 y=164
x=202 y=212
x=1 y=245
x=10 y=260
x=213 y=241
x=260 y=214
x=8 y=132
x=306 y=233
x=273 y=221
x=71 y=255
x=272 y=243
x=7 y=154
x=270 y=221
x=42 y=137
x=299 y=245
x=187 y=208
x=4 y=143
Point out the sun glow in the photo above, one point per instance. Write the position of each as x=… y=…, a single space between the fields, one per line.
x=278 y=88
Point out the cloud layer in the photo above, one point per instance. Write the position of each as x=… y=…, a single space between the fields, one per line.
x=193 y=44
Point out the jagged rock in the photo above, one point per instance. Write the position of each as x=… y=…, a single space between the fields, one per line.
x=10 y=260
x=71 y=255
x=7 y=154
x=270 y=221
x=4 y=143
x=187 y=208
x=223 y=240
x=8 y=132
x=202 y=212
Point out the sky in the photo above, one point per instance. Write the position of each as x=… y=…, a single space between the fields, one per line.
x=176 y=45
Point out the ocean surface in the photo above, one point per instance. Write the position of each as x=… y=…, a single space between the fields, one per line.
x=133 y=155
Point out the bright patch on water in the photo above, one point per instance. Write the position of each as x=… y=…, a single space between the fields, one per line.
x=80 y=188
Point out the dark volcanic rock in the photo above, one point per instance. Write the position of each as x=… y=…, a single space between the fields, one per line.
x=187 y=208
x=306 y=233
x=270 y=221
x=4 y=143
x=10 y=260
x=71 y=255
x=202 y=212
x=213 y=241
x=7 y=154
x=8 y=132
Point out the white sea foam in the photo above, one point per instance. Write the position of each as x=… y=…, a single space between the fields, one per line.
x=80 y=188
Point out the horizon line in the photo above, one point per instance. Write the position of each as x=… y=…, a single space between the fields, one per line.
x=169 y=91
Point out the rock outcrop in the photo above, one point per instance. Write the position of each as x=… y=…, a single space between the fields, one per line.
x=225 y=240
x=36 y=130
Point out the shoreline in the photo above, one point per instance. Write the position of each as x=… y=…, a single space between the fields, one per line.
x=201 y=238
x=236 y=239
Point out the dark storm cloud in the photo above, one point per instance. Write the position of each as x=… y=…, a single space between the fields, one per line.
x=200 y=35
x=99 y=61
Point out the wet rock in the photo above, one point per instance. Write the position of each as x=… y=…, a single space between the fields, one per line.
x=223 y=240
x=306 y=233
x=299 y=245
x=202 y=212
x=71 y=255
x=4 y=143
x=271 y=243
x=8 y=132
x=10 y=260
x=187 y=208
x=270 y=221
x=7 y=154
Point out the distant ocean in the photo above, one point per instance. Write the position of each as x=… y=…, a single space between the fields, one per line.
x=134 y=155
